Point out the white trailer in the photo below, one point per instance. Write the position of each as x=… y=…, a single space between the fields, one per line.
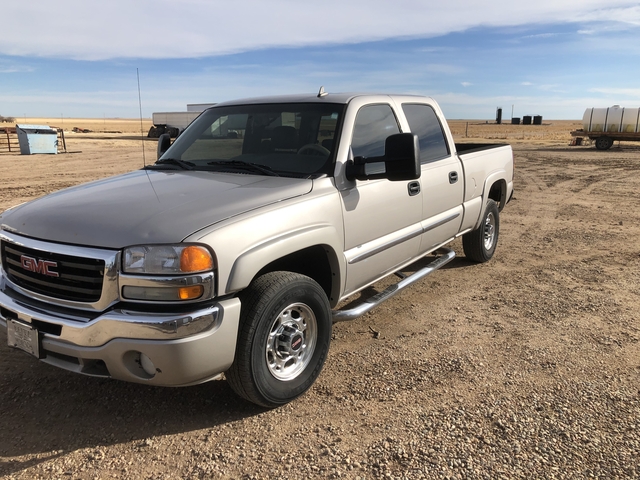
x=174 y=123
x=606 y=125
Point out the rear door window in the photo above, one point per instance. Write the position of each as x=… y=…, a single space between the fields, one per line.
x=424 y=122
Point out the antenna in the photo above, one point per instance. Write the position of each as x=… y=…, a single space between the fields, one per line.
x=322 y=93
x=144 y=159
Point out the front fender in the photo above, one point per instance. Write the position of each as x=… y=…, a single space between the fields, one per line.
x=250 y=262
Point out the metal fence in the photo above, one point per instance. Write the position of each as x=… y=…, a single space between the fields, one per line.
x=9 y=140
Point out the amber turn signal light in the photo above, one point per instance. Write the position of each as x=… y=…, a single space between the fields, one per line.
x=195 y=259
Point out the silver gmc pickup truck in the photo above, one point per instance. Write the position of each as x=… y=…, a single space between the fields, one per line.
x=231 y=254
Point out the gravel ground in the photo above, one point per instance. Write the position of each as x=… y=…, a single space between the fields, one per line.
x=527 y=366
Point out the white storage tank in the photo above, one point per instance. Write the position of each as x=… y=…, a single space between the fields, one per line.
x=631 y=120
x=612 y=119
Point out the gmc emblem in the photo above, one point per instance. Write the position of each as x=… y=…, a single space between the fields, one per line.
x=43 y=267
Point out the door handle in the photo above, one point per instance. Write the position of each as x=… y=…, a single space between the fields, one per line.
x=414 y=188
x=453 y=177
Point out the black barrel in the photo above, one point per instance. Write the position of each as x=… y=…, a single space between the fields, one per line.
x=515 y=121
x=537 y=119
x=526 y=120
x=499 y=115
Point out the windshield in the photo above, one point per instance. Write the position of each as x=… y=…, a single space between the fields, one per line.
x=296 y=140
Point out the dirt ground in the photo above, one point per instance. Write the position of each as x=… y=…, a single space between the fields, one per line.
x=527 y=366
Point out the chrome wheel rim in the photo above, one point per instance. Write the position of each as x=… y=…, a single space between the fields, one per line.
x=489 y=231
x=291 y=341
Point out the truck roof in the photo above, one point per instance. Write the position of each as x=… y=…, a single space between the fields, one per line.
x=343 y=98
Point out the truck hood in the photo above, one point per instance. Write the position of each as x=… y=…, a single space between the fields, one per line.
x=146 y=206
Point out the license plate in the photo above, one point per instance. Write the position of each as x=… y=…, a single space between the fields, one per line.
x=24 y=337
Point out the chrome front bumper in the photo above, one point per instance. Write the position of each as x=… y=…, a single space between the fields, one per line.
x=183 y=348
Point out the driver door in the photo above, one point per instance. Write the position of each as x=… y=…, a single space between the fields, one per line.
x=381 y=218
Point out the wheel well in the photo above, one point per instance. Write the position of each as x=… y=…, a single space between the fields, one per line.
x=314 y=262
x=498 y=192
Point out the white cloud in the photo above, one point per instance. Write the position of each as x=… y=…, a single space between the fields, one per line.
x=551 y=88
x=541 y=35
x=460 y=106
x=6 y=67
x=101 y=99
x=466 y=84
x=545 y=87
x=82 y=29
x=629 y=14
x=628 y=92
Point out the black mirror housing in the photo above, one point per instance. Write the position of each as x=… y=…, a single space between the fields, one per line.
x=401 y=160
x=402 y=157
x=164 y=142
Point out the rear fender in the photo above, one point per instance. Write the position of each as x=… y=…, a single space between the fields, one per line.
x=496 y=188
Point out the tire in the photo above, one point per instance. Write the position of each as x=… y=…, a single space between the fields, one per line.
x=283 y=341
x=480 y=244
x=604 y=143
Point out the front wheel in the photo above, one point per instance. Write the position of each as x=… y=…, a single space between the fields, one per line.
x=480 y=244
x=283 y=339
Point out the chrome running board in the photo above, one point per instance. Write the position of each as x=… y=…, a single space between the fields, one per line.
x=343 y=315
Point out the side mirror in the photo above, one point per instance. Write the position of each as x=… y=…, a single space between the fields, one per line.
x=164 y=142
x=401 y=161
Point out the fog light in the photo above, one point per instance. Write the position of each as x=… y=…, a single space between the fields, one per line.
x=147 y=365
x=189 y=293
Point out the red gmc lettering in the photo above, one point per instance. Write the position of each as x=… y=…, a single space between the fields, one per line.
x=39 y=266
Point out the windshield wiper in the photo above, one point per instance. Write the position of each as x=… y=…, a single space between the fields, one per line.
x=245 y=165
x=173 y=162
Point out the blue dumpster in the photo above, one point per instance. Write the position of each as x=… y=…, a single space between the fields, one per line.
x=37 y=139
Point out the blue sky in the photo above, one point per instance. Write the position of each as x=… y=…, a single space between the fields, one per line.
x=78 y=58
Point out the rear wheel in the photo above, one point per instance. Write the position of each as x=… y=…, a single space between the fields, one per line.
x=480 y=244
x=604 y=143
x=283 y=339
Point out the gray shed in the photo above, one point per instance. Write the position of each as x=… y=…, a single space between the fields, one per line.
x=37 y=139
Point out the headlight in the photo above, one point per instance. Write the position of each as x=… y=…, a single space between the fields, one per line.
x=167 y=259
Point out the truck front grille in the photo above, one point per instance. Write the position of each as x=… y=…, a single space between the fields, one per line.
x=55 y=275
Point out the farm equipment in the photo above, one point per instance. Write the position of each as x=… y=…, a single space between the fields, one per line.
x=606 y=125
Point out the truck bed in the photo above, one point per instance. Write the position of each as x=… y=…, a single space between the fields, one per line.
x=483 y=164
x=476 y=147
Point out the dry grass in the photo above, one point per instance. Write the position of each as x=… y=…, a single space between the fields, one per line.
x=550 y=131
